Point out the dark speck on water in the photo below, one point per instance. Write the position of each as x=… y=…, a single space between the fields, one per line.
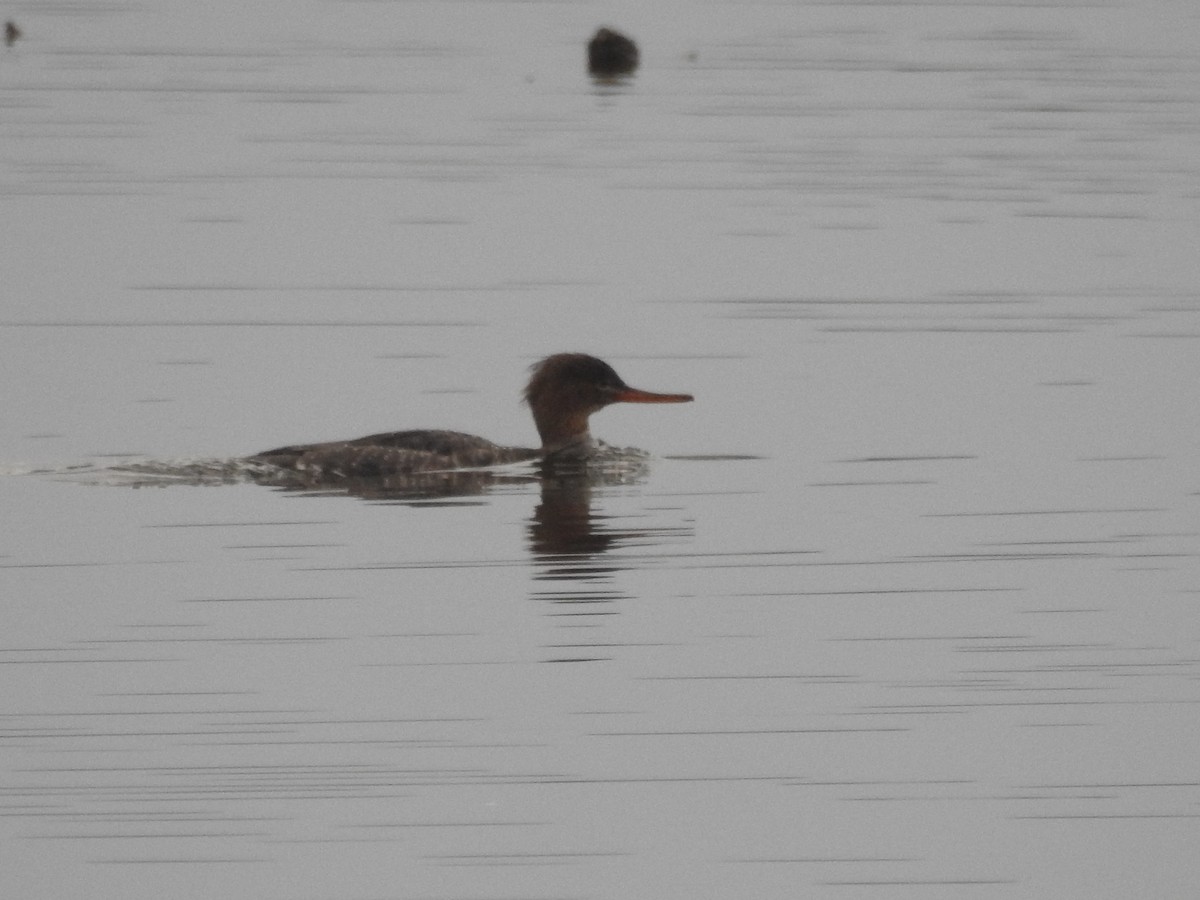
x=611 y=54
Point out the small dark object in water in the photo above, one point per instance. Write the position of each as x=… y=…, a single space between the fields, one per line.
x=610 y=53
x=12 y=33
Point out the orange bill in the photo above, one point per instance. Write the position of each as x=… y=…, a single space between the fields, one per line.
x=633 y=395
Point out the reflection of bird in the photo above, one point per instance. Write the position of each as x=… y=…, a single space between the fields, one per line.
x=610 y=53
x=563 y=391
x=12 y=33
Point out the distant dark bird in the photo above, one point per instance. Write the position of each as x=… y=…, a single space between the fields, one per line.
x=610 y=53
x=12 y=33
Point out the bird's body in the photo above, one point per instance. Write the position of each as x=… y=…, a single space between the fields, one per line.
x=563 y=391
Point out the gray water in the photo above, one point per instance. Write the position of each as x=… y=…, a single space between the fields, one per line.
x=904 y=605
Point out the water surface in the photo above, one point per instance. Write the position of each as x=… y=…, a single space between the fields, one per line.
x=902 y=606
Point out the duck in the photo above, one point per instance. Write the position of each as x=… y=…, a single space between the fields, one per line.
x=563 y=392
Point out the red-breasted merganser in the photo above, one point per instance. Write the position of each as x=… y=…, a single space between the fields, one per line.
x=563 y=391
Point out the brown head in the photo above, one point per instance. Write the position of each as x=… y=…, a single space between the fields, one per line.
x=566 y=388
